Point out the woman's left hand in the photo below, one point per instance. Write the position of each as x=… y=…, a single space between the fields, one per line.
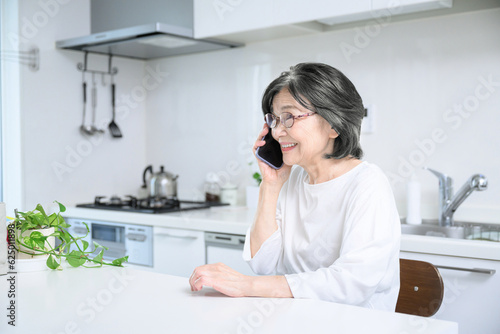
x=221 y=278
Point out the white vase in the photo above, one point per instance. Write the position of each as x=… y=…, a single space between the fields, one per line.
x=252 y=197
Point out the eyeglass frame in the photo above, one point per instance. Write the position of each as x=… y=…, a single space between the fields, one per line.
x=276 y=118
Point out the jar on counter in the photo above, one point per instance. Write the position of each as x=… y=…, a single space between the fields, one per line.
x=229 y=194
x=212 y=188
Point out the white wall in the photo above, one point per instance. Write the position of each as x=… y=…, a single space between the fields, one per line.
x=58 y=162
x=208 y=113
x=204 y=113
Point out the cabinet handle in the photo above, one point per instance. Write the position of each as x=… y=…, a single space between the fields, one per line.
x=136 y=237
x=191 y=237
x=472 y=270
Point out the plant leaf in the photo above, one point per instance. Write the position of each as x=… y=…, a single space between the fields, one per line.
x=65 y=236
x=53 y=220
x=76 y=258
x=98 y=258
x=25 y=227
x=39 y=220
x=62 y=223
x=52 y=263
x=39 y=207
x=23 y=214
x=29 y=242
x=38 y=239
x=118 y=262
x=62 y=208
x=97 y=245
x=85 y=245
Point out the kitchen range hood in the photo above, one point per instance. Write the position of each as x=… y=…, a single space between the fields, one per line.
x=142 y=30
x=148 y=41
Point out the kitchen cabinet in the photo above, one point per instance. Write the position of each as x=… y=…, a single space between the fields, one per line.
x=470 y=298
x=177 y=251
x=220 y=17
x=246 y=21
x=410 y=6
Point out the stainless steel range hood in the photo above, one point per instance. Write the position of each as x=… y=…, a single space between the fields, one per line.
x=148 y=41
x=143 y=30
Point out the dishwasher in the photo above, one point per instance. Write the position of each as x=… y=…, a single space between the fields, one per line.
x=228 y=249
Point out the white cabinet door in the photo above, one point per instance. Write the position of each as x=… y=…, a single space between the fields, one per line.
x=472 y=299
x=176 y=251
x=220 y=17
x=409 y=6
x=225 y=17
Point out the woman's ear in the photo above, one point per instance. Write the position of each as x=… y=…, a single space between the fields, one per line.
x=333 y=133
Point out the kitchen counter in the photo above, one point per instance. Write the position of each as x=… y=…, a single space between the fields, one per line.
x=123 y=300
x=236 y=220
x=222 y=219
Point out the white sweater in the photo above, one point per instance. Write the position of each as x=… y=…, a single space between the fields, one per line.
x=336 y=241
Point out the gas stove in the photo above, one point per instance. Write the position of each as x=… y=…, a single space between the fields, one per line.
x=146 y=205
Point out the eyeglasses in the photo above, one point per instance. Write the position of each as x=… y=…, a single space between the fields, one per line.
x=286 y=119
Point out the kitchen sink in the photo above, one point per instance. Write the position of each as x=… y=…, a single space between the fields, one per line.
x=460 y=230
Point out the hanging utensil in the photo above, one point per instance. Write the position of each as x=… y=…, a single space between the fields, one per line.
x=94 y=106
x=85 y=129
x=113 y=127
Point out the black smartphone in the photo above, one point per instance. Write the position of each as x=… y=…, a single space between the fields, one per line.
x=270 y=153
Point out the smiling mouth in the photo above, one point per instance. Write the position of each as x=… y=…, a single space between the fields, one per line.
x=287 y=147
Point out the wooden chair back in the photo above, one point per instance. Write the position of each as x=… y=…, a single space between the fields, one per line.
x=421 y=291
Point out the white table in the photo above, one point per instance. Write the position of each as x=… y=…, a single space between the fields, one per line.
x=123 y=300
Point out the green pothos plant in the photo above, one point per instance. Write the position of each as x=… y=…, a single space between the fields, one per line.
x=77 y=251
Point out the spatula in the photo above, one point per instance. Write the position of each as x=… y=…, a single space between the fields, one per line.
x=113 y=127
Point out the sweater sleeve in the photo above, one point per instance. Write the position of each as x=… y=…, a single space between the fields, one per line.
x=265 y=261
x=369 y=257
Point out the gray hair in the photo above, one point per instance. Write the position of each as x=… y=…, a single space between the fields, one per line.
x=327 y=91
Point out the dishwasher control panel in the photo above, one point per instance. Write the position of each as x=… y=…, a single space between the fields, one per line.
x=226 y=239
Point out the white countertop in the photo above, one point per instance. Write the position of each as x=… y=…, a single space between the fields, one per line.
x=236 y=220
x=123 y=300
x=223 y=219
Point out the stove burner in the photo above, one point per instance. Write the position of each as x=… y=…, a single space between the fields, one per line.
x=146 y=205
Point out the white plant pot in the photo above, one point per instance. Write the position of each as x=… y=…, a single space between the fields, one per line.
x=35 y=254
x=252 y=196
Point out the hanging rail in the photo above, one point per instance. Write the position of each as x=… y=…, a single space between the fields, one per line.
x=83 y=66
x=30 y=58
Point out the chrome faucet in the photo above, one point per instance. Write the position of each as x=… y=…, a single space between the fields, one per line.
x=449 y=203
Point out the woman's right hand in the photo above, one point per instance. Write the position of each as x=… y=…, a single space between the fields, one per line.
x=270 y=176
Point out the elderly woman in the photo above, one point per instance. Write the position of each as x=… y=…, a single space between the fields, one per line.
x=326 y=225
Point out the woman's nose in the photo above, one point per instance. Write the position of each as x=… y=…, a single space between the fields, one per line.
x=279 y=130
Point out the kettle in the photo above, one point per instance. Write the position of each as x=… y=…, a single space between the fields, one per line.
x=160 y=184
